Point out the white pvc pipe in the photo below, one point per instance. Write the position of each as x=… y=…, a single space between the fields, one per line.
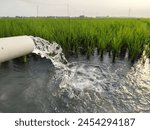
x=13 y=47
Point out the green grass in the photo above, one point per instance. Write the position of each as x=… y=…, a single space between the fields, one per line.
x=75 y=35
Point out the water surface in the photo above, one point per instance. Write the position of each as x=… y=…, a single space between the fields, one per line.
x=85 y=86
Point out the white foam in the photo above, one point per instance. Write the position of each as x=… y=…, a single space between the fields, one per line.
x=52 y=51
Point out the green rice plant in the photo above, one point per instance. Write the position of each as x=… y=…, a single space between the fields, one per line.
x=102 y=40
x=81 y=36
x=116 y=42
x=136 y=41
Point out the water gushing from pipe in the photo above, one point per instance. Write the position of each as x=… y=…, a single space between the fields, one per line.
x=83 y=87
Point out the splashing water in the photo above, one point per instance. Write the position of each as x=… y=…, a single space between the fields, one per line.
x=89 y=87
x=52 y=51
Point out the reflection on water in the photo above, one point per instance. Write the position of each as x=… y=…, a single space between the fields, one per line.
x=85 y=86
x=22 y=85
x=135 y=88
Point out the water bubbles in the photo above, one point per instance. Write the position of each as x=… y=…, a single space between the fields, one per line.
x=95 y=87
x=52 y=51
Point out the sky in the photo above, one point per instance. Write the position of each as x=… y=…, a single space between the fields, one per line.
x=113 y=8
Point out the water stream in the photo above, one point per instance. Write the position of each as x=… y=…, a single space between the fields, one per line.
x=53 y=84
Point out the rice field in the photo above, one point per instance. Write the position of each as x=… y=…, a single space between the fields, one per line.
x=116 y=36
